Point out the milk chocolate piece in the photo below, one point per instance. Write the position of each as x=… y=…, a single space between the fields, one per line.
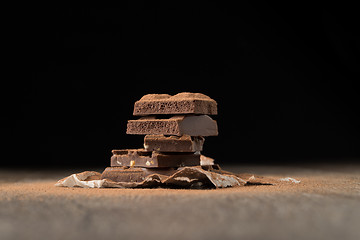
x=184 y=143
x=192 y=125
x=181 y=103
x=124 y=174
x=142 y=158
x=206 y=161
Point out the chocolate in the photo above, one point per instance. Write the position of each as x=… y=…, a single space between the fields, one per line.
x=143 y=158
x=206 y=160
x=192 y=125
x=124 y=174
x=184 y=143
x=181 y=103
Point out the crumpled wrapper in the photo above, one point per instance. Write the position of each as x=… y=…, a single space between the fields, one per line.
x=187 y=177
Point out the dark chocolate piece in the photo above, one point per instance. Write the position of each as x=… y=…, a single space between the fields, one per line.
x=192 y=125
x=142 y=158
x=184 y=143
x=124 y=174
x=181 y=103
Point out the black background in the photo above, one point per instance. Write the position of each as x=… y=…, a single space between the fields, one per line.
x=284 y=77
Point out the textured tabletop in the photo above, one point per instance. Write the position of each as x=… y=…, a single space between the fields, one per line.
x=324 y=205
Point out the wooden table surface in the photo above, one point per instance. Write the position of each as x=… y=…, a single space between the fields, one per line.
x=324 y=205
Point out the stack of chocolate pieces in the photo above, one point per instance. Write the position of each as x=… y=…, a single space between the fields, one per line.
x=174 y=129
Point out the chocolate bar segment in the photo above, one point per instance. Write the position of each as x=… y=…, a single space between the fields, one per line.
x=184 y=143
x=192 y=125
x=124 y=174
x=181 y=103
x=143 y=158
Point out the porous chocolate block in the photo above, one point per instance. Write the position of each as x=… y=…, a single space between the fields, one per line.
x=124 y=174
x=181 y=103
x=143 y=158
x=193 y=125
x=184 y=143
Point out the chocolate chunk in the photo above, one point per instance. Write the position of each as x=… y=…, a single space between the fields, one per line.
x=181 y=103
x=142 y=158
x=124 y=174
x=192 y=125
x=184 y=143
x=206 y=160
